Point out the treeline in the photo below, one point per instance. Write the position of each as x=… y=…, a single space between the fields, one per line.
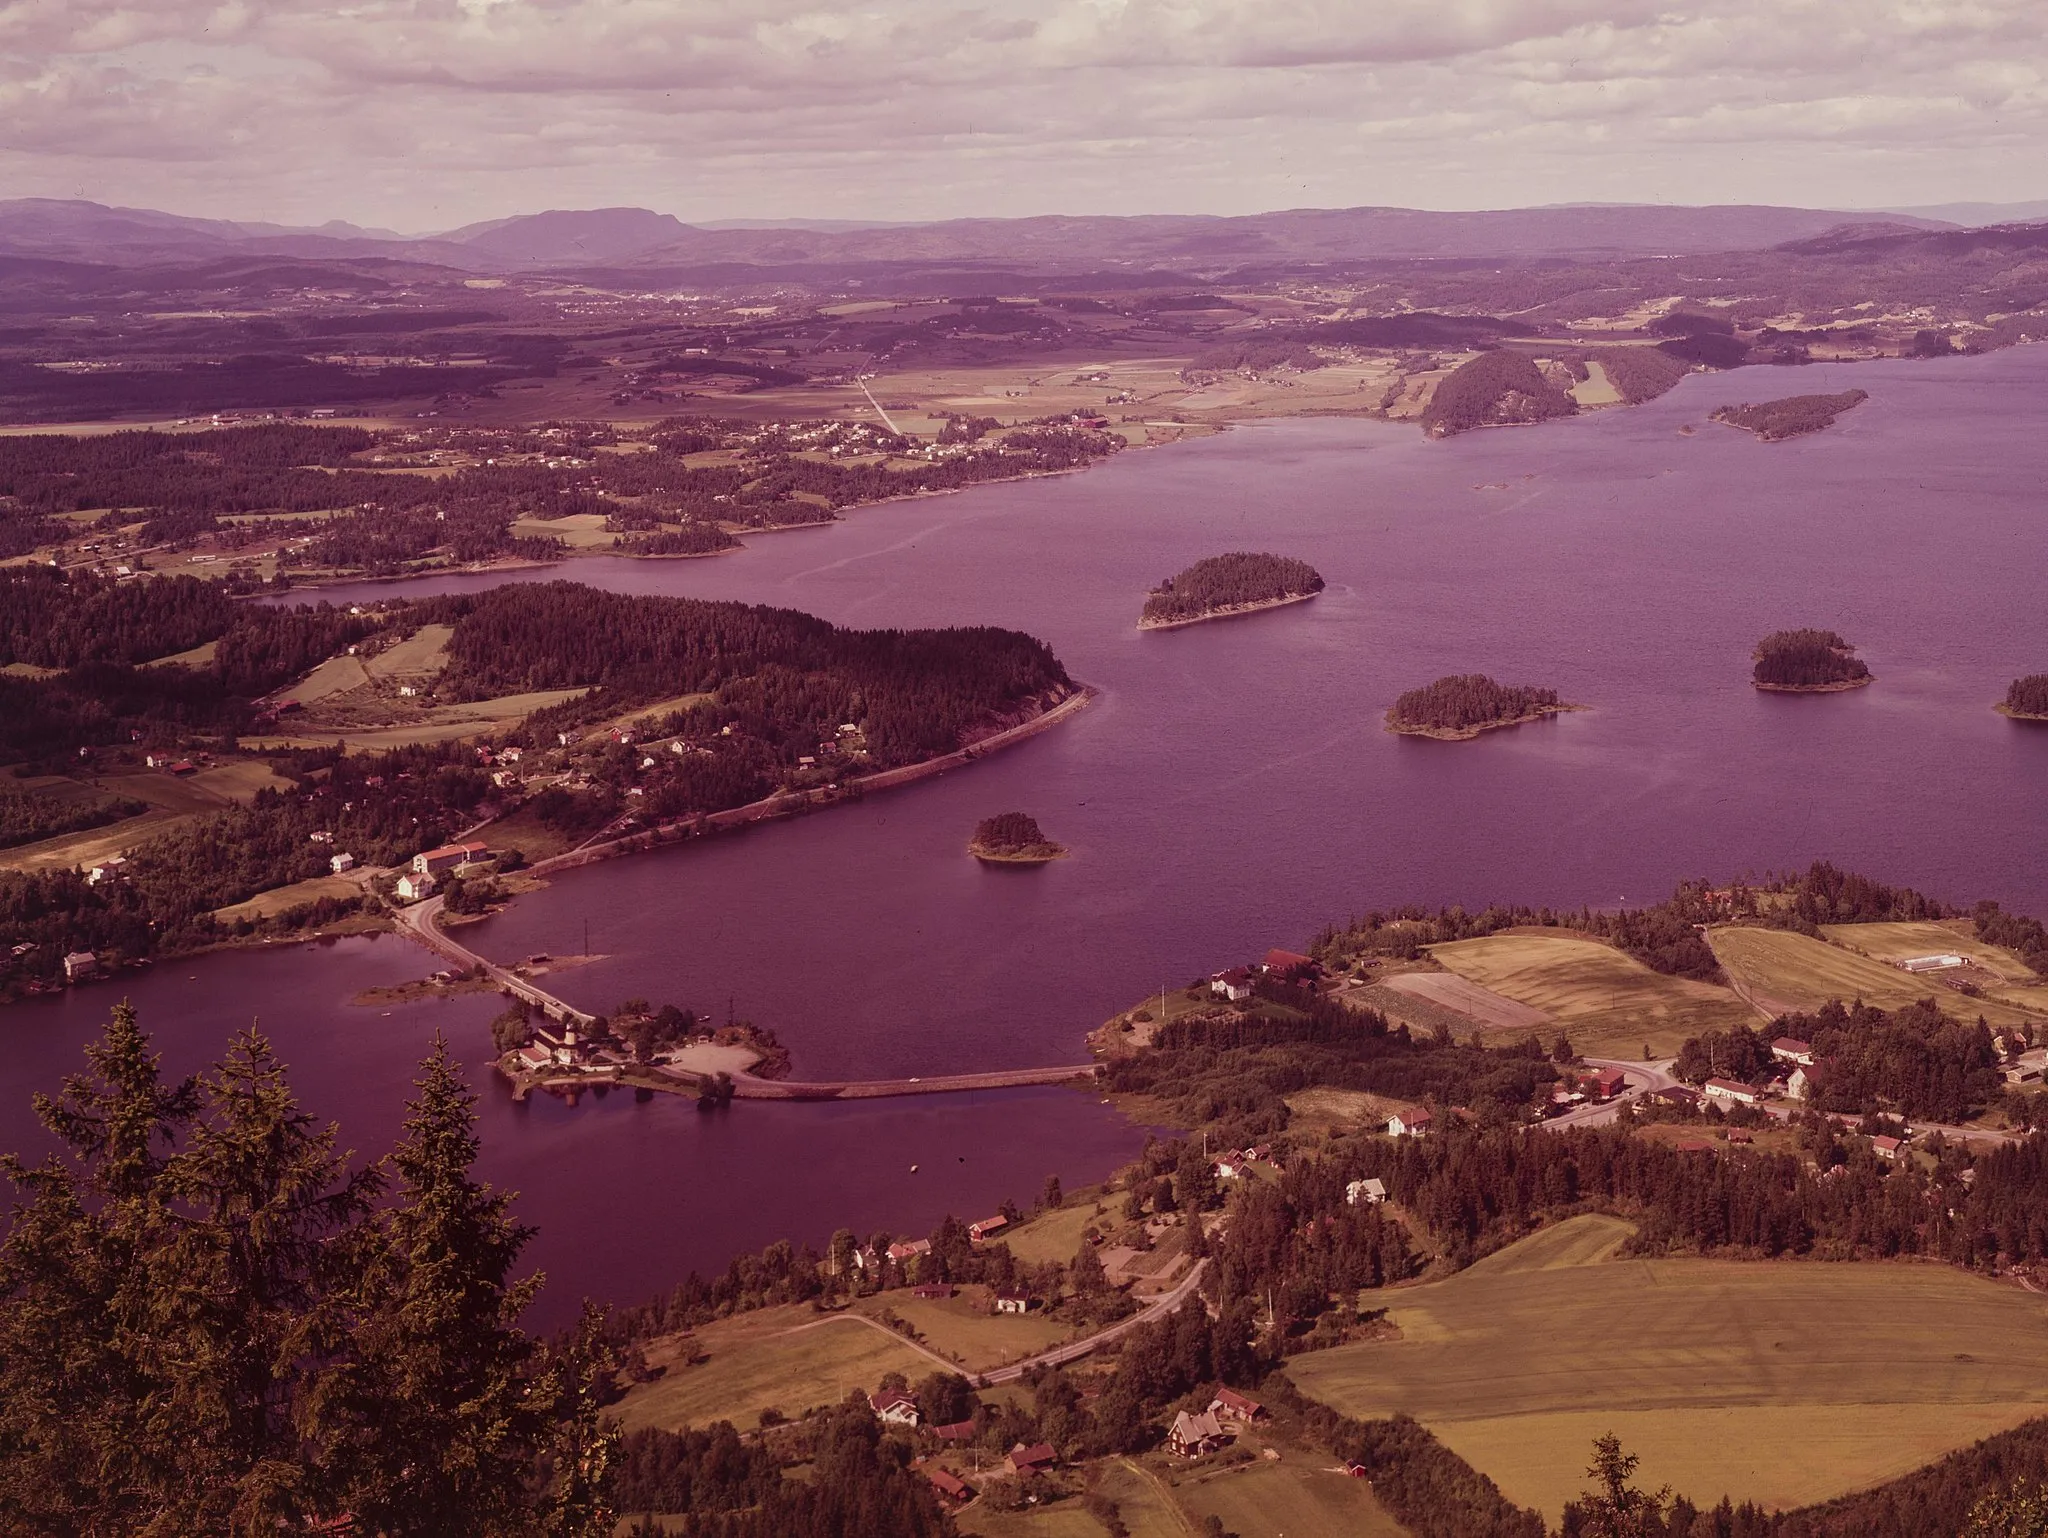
x=215 y=1321
x=1791 y=416
x=1463 y=701
x=1473 y=1189
x=1224 y=581
x=2015 y=932
x=26 y=816
x=1915 y=1061
x=2028 y=696
x=1807 y=659
x=55 y=619
x=1494 y=389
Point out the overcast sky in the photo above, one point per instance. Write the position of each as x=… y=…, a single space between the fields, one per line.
x=426 y=114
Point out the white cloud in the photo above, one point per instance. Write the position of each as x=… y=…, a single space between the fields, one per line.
x=433 y=112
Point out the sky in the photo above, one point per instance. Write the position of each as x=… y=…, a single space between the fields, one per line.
x=424 y=115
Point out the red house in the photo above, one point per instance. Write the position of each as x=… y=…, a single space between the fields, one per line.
x=1289 y=965
x=1034 y=1459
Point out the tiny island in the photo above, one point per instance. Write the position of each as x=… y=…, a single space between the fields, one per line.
x=1460 y=707
x=2026 y=699
x=1773 y=421
x=1808 y=662
x=1222 y=585
x=1013 y=838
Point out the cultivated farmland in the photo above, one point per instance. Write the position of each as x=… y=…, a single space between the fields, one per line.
x=1781 y=1382
x=779 y=1357
x=1780 y=967
x=1609 y=1003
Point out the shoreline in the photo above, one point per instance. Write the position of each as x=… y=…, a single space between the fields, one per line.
x=1228 y=611
x=1018 y=856
x=2034 y=716
x=1840 y=686
x=1467 y=733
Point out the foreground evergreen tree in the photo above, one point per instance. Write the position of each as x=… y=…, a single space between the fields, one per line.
x=81 y=1411
x=431 y=1423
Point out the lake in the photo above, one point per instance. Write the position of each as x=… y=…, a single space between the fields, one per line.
x=1233 y=788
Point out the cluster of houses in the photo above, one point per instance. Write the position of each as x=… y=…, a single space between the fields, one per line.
x=462 y=860
x=1238 y=1163
x=1235 y=983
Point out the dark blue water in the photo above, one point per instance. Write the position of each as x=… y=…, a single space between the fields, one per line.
x=1233 y=788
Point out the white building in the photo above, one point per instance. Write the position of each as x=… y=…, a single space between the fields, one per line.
x=342 y=863
x=1372 y=1191
x=412 y=886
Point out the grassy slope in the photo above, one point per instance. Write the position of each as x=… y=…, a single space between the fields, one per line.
x=1806 y=973
x=764 y=1359
x=964 y=1329
x=1608 y=1003
x=1784 y=1382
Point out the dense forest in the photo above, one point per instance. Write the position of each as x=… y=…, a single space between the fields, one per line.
x=1219 y=583
x=1794 y=660
x=1495 y=389
x=339 y=1340
x=1012 y=834
x=1640 y=374
x=1463 y=704
x=1788 y=418
x=2028 y=697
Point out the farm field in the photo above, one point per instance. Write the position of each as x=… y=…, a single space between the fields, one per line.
x=1780 y=1382
x=1804 y=973
x=1302 y=1493
x=1465 y=997
x=239 y=781
x=1054 y=1235
x=441 y=723
x=963 y=1329
x=779 y=1357
x=1608 y=1003
x=419 y=655
x=265 y=904
x=1324 y=1109
x=1897 y=942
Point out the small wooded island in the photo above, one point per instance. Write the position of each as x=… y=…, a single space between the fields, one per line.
x=1013 y=838
x=1808 y=662
x=1792 y=416
x=1238 y=583
x=2026 y=699
x=1463 y=705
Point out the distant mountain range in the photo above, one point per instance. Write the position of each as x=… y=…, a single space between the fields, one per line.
x=637 y=239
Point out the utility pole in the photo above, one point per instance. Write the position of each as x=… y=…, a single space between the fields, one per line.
x=586 y=937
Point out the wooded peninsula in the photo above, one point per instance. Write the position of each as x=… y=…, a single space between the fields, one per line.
x=1772 y=421
x=1461 y=706
x=1807 y=662
x=1221 y=585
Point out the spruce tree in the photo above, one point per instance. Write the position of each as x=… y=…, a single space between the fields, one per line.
x=435 y=1423
x=81 y=1428
x=270 y=1228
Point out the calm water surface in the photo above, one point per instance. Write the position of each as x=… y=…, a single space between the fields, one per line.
x=1233 y=788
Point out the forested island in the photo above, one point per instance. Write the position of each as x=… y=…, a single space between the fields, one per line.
x=1463 y=705
x=1501 y=388
x=2026 y=699
x=1807 y=662
x=1013 y=838
x=1220 y=585
x=590 y=710
x=1791 y=416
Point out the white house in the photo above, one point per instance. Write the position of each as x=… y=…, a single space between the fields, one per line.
x=1372 y=1191
x=895 y=1407
x=1940 y=963
x=342 y=863
x=1790 y=1049
x=1732 y=1092
x=79 y=965
x=106 y=870
x=413 y=886
x=1234 y=985
x=1013 y=1302
x=1410 y=1123
x=1802 y=1083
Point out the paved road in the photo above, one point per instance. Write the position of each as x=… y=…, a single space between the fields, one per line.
x=1643 y=1079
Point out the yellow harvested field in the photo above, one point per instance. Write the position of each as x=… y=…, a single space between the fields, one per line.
x=443 y=723
x=337 y=675
x=1899 y=942
x=579 y=531
x=79 y=850
x=962 y=1328
x=200 y=656
x=1803 y=973
x=419 y=655
x=783 y=1358
x=1053 y=1235
x=1062 y=1519
x=239 y=781
x=1480 y=1005
x=1783 y=1382
x=1302 y=1493
x=1607 y=1002
x=265 y=904
x=1597 y=389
